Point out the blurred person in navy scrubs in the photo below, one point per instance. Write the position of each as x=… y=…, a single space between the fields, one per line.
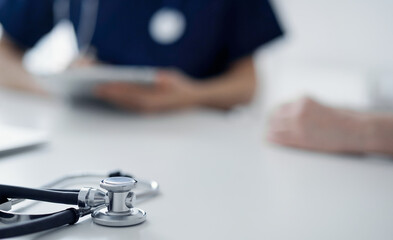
x=203 y=48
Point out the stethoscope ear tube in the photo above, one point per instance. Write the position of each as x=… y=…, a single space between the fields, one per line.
x=39 y=194
x=65 y=217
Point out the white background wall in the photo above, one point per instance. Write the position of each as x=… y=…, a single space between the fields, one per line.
x=333 y=49
x=350 y=32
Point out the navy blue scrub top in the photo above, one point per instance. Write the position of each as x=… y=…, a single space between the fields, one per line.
x=217 y=32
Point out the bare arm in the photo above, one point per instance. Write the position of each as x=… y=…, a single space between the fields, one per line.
x=12 y=72
x=236 y=86
x=380 y=131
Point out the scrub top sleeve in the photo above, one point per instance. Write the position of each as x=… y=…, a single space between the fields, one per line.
x=26 y=21
x=251 y=24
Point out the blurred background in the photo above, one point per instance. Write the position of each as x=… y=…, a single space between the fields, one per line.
x=334 y=50
x=339 y=45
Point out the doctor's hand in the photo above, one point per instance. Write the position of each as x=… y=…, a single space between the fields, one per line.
x=172 y=90
x=311 y=125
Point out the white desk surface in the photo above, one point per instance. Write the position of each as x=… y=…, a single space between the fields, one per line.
x=219 y=178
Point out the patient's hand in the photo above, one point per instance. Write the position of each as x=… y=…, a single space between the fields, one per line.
x=172 y=90
x=310 y=125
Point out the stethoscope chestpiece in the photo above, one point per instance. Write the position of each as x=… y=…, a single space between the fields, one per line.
x=120 y=211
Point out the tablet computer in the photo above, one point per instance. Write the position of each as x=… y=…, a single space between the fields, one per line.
x=82 y=81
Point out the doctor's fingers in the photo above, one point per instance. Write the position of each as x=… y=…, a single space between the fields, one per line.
x=125 y=92
x=136 y=102
x=126 y=96
x=146 y=103
x=109 y=89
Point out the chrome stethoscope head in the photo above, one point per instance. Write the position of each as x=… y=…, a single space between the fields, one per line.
x=115 y=208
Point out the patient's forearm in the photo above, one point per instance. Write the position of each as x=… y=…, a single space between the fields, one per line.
x=12 y=72
x=380 y=128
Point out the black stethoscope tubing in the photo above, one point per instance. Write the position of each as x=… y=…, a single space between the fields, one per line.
x=44 y=221
x=54 y=195
x=39 y=223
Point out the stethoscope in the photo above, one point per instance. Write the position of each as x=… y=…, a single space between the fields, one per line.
x=87 y=21
x=113 y=207
x=167 y=25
